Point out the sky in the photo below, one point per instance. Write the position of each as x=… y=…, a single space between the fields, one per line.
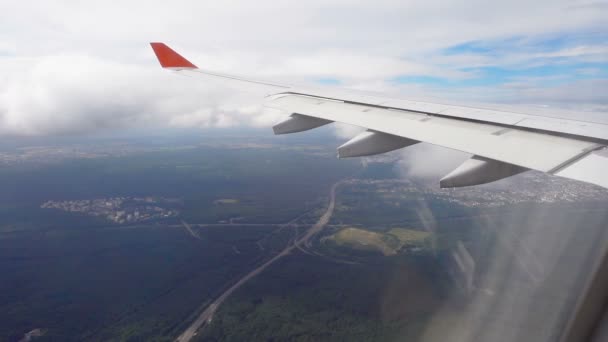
x=73 y=67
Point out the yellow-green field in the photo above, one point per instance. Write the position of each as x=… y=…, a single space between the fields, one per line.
x=388 y=243
x=409 y=235
x=226 y=201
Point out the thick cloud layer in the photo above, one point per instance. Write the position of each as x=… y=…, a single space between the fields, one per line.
x=74 y=67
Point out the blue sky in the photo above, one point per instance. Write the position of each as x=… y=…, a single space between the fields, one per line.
x=545 y=62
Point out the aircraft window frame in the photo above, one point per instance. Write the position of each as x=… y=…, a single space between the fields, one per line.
x=591 y=308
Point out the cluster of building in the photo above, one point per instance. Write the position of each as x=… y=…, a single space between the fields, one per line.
x=119 y=209
x=54 y=154
x=531 y=187
x=45 y=154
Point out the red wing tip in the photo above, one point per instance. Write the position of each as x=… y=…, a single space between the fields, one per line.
x=169 y=58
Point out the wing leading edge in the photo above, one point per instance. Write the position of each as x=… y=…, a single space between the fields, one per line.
x=501 y=143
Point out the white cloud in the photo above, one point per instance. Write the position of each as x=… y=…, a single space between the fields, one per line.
x=65 y=94
x=78 y=66
x=428 y=161
x=344 y=131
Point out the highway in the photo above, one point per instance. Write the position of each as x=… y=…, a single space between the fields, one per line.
x=207 y=314
x=190 y=231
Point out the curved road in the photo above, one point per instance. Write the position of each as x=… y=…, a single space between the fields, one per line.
x=206 y=315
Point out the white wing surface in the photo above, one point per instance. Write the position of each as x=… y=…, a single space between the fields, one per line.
x=502 y=143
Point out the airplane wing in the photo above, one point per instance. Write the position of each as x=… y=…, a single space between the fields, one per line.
x=502 y=143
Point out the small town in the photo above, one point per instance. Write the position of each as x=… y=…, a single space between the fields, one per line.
x=531 y=187
x=119 y=210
